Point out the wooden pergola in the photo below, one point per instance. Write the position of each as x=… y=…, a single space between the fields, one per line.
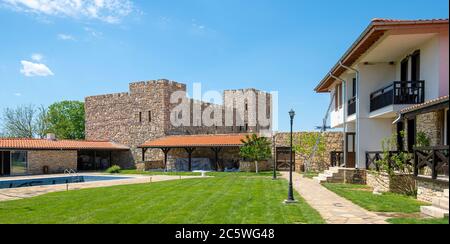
x=192 y=142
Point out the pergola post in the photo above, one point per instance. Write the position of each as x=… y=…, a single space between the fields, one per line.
x=143 y=153
x=166 y=151
x=190 y=150
x=216 y=151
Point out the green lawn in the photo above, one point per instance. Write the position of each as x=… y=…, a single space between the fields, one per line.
x=417 y=221
x=388 y=202
x=233 y=198
x=215 y=174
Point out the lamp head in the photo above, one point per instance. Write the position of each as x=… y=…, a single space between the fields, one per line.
x=292 y=114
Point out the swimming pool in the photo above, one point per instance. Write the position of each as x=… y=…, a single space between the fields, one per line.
x=5 y=184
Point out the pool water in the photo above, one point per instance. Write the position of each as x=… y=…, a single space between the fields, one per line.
x=4 y=184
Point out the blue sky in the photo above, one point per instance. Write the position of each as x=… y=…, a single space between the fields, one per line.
x=100 y=46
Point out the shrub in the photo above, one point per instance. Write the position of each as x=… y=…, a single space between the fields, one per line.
x=113 y=169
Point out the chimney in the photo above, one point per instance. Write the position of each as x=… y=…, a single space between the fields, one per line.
x=51 y=137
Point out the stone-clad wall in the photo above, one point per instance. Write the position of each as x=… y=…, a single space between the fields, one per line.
x=143 y=114
x=432 y=125
x=57 y=161
x=333 y=142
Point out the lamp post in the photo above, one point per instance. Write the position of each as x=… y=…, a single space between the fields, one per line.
x=291 y=190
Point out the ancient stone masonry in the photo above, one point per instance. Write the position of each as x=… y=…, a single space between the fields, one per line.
x=333 y=142
x=432 y=125
x=56 y=161
x=144 y=113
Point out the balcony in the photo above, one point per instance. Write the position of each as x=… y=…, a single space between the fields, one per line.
x=398 y=93
x=351 y=106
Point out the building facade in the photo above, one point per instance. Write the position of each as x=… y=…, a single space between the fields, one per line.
x=392 y=66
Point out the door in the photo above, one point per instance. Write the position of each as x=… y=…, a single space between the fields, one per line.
x=350 y=150
x=5 y=163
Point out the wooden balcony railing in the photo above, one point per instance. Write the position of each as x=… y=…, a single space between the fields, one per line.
x=337 y=159
x=399 y=92
x=372 y=159
x=435 y=158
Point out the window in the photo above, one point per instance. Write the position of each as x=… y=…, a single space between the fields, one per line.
x=415 y=66
x=354 y=87
x=246 y=127
x=140 y=117
x=19 y=164
x=338 y=97
x=149 y=116
x=404 y=70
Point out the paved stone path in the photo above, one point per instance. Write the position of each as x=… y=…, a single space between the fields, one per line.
x=333 y=208
x=27 y=192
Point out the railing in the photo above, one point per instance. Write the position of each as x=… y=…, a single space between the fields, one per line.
x=399 y=92
x=352 y=106
x=337 y=159
x=436 y=158
x=372 y=159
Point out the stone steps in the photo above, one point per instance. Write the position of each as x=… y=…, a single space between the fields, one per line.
x=434 y=212
x=331 y=175
x=441 y=202
x=440 y=207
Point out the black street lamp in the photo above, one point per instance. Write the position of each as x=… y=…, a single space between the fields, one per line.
x=291 y=190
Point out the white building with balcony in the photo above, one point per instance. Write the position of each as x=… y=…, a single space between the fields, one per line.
x=393 y=65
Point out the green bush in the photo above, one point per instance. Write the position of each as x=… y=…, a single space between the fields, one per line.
x=113 y=169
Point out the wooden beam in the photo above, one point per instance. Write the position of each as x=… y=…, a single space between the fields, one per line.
x=190 y=150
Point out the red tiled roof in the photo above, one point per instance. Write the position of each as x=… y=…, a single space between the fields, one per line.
x=229 y=140
x=376 y=29
x=425 y=104
x=43 y=144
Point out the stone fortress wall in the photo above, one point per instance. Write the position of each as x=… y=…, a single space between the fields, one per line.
x=143 y=114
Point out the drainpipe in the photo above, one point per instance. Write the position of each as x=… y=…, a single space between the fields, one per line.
x=344 y=117
x=357 y=111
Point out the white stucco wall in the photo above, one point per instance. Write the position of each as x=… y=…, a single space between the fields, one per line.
x=371 y=132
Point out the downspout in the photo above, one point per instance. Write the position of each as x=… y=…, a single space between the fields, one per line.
x=344 y=117
x=357 y=111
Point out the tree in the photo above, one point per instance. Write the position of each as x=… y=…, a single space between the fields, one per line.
x=24 y=122
x=308 y=145
x=255 y=149
x=66 y=119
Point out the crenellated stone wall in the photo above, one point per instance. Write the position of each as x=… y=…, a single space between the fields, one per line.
x=143 y=114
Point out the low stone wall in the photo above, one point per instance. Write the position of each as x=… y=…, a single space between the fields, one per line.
x=251 y=166
x=378 y=181
x=427 y=189
x=382 y=182
x=56 y=161
x=355 y=176
x=150 y=165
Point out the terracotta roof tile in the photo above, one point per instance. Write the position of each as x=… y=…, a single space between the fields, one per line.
x=43 y=144
x=425 y=104
x=228 y=140
x=376 y=29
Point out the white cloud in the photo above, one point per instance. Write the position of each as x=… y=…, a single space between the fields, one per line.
x=110 y=11
x=18 y=94
x=30 y=69
x=37 y=57
x=66 y=37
